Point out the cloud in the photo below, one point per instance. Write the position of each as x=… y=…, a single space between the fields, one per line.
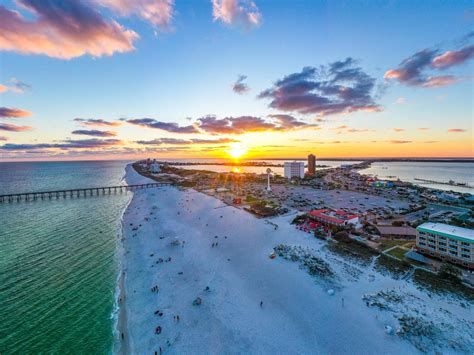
x=13 y=112
x=14 y=128
x=157 y=12
x=415 y=70
x=239 y=86
x=395 y=141
x=456 y=130
x=97 y=122
x=410 y=70
x=340 y=87
x=62 y=29
x=160 y=141
x=347 y=129
x=245 y=124
x=165 y=126
x=69 y=144
x=288 y=122
x=423 y=129
x=441 y=80
x=16 y=86
x=3 y=138
x=400 y=100
x=243 y=13
x=363 y=130
x=176 y=141
x=452 y=58
x=398 y=130
x=94 y=133
x=214 y=141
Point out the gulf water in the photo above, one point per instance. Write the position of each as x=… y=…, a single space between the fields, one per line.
x=59 y=259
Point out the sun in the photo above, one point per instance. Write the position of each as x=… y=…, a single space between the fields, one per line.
x=236 y=151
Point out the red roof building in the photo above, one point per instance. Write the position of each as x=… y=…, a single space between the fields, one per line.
x=335 y=218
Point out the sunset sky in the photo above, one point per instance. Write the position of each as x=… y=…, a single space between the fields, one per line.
x=126 y=79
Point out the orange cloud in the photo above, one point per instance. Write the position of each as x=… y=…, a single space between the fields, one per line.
x=14 y=112
x=14 y=128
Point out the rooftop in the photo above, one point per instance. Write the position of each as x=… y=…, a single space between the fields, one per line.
x=338 y=216
x=448 y=230
x=392 y=230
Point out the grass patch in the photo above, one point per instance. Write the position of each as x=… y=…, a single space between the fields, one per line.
x=397 y=252
x=389 y=243
x=443 y=284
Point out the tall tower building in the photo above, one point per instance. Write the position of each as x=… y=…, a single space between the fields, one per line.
x=311 y=164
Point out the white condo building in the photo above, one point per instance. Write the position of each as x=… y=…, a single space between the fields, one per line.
x=450 y=243
x=155 y=167
x=294 y=169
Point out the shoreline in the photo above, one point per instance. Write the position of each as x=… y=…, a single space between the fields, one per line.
x=233 y=278
x=121 y=341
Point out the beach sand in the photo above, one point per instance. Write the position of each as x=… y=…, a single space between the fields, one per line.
x=297 y=315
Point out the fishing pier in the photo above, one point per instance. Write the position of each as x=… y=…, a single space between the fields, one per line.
x=92 y=191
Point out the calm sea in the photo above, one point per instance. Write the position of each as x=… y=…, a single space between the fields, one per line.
x=59 y=259
x=440 y=172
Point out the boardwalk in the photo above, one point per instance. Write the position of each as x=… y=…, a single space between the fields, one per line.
x=92 y=191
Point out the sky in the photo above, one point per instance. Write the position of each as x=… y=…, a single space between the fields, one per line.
x=130 y=79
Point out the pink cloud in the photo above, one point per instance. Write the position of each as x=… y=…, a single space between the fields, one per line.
x=158 y=12
x=456 y=130
x=442 y=80
x=236 y=12
x=62 y=29
x=451 y=58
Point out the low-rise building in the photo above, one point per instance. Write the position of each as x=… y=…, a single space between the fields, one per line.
x=294 y=169
x=447 y=242
x=337 y=218
x=393 y=232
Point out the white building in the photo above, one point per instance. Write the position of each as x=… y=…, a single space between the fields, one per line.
x=294 y=169
x=155 y=167
x=450 y=243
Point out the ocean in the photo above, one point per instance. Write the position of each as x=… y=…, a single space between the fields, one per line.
x=59 y=259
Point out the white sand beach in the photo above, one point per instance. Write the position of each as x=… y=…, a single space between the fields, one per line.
x=253 y=304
